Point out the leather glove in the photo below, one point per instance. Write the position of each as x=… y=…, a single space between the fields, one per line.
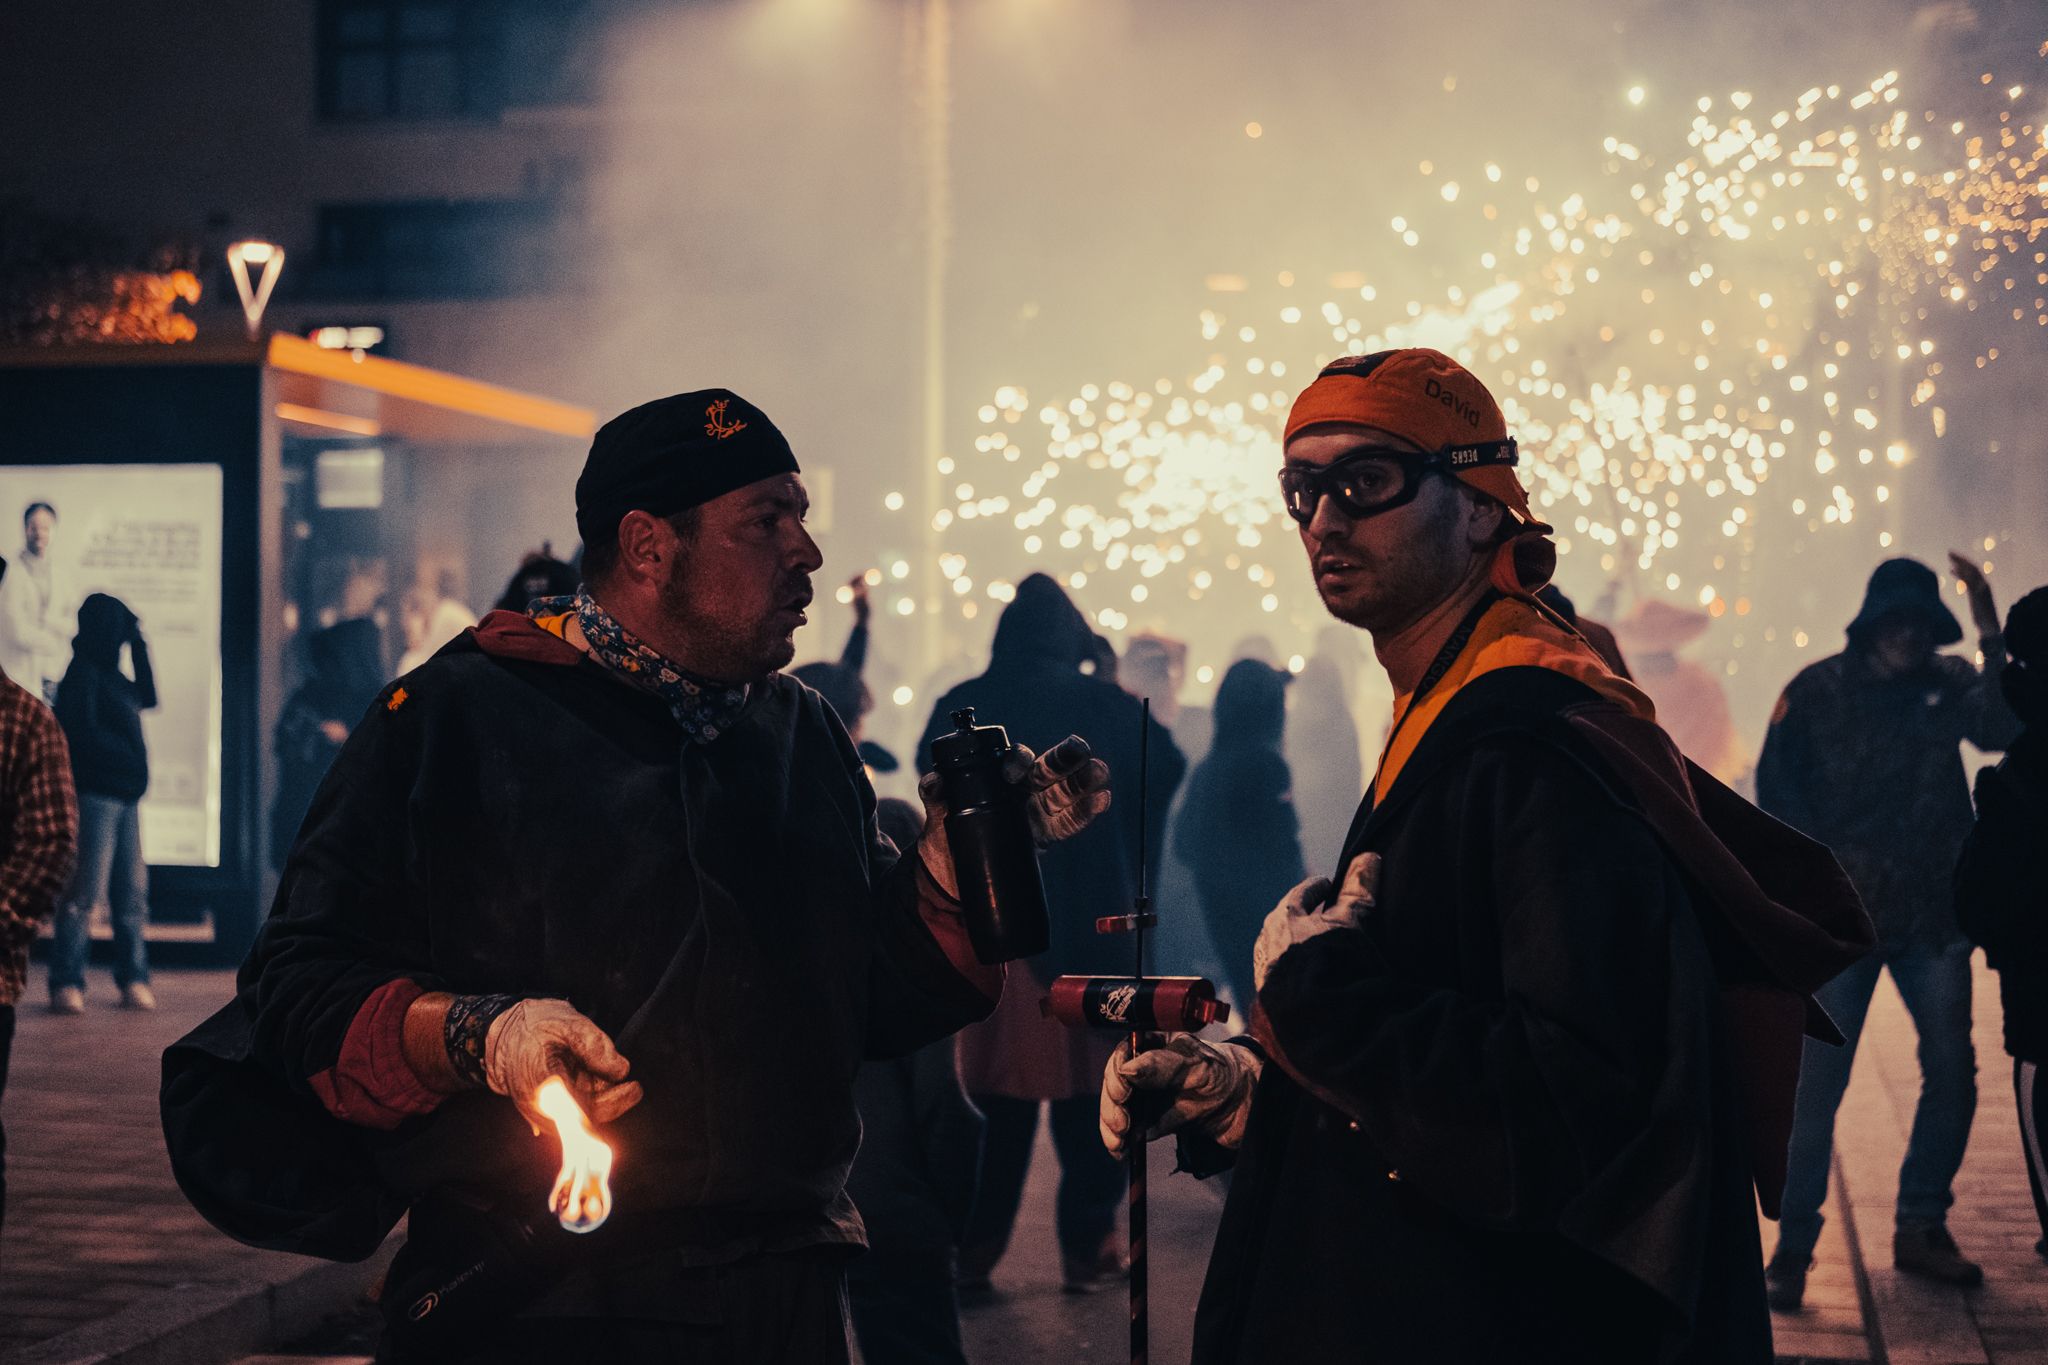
x=1205 y=1088
x=1067 y=787
x=536 y=1039
x=1302 y=913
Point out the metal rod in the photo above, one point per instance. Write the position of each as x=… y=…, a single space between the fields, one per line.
x=1144 y=902
x=1141 y=1344
x=1141 y=1329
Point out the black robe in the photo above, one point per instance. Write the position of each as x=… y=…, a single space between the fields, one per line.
x=1507 y=1120
x=522 y=821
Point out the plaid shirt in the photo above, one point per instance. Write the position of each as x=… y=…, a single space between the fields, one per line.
x=38 y=827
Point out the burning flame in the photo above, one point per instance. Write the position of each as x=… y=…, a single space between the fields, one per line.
x=582 y=1196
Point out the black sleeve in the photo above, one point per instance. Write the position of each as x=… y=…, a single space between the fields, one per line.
x=1503 y=1110
x=1979 y=702
x=1782 y=769
x=2000 y=902
x=854 y=658
x=915 y=994
x=949 y=1131
x=145 y=676
x=345 y=920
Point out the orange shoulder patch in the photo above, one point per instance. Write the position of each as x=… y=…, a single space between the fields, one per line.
x=397 y=700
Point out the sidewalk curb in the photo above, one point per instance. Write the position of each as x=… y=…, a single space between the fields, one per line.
x=204 y=1324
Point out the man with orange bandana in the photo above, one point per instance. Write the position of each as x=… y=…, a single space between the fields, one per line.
x=1507 y=1093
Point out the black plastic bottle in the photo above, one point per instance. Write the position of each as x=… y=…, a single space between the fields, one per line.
x=988 y=828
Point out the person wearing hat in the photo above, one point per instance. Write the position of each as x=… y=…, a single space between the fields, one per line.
x=1691 y=704
x=607 y=841
x=2001 y=896
x=1020 y=1062
x=1510 y=1085
x=1864 y=754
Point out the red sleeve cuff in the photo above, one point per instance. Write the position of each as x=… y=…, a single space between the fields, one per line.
x=371 y=1084
x=944 y=921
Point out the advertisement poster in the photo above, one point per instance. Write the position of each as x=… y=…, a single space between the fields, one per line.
x=151 y=536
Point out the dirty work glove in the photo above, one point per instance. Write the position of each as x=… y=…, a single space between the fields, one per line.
x=536 y=1039
x=1067 y=786
x=1203 y=1088
x=1309 y=910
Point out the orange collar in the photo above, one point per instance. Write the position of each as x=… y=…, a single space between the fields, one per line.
x=1513 y=633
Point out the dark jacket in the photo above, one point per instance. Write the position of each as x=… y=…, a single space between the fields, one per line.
x=920 y=1136
x=100 y=708
x=513 y=817
x=1236 y=829
x=920 y=1152
x=1506 y=1120
x=2002 y=892
x=1872 y=767
x=1035 y=690
x=344 y=673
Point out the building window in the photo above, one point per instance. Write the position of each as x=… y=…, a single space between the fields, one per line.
x=407 y=59
x=438 y=249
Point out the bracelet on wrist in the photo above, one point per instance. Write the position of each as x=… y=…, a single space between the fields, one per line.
x=467 y=1028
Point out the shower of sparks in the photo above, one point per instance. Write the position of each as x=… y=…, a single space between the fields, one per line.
x=1751 y=308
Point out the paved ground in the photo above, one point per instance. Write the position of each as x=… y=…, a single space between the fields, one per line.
x=94 y=1222
x=2006 y=1321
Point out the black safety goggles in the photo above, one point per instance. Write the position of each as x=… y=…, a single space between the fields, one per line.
x=1377 y=479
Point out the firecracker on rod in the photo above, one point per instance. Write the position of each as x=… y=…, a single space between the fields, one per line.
x=1143 y=1007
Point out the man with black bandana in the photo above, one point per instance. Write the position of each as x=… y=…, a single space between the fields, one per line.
x=607 y=841
x=1512 y=1078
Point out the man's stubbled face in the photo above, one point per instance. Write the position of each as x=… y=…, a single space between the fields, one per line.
x=737 y=589
x=1383 y=571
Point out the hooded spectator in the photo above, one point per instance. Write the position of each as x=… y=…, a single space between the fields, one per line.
x=101 y=710
x=1237 y=830
x=1017 y=1059
x=1864 y=754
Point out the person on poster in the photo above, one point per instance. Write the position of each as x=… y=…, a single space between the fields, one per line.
x=1510 y=1088
x=608 y=841
x=35 y=608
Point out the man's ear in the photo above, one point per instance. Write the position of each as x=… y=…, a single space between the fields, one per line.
x=640 y=545
x=1483 y=524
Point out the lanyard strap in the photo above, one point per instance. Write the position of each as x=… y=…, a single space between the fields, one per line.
x=1439 y=666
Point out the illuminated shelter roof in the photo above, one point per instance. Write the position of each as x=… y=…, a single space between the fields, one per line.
x=342 y=393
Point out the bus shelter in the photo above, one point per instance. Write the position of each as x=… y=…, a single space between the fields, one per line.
x=239 y=497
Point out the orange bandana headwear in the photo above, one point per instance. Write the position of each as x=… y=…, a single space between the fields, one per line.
x=1433 y=402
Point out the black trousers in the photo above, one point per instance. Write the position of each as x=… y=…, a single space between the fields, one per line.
x=6 y=1047
x=1091 y=1180
x=2030 y=1089
x=904 y=1309
x=771 y=1310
